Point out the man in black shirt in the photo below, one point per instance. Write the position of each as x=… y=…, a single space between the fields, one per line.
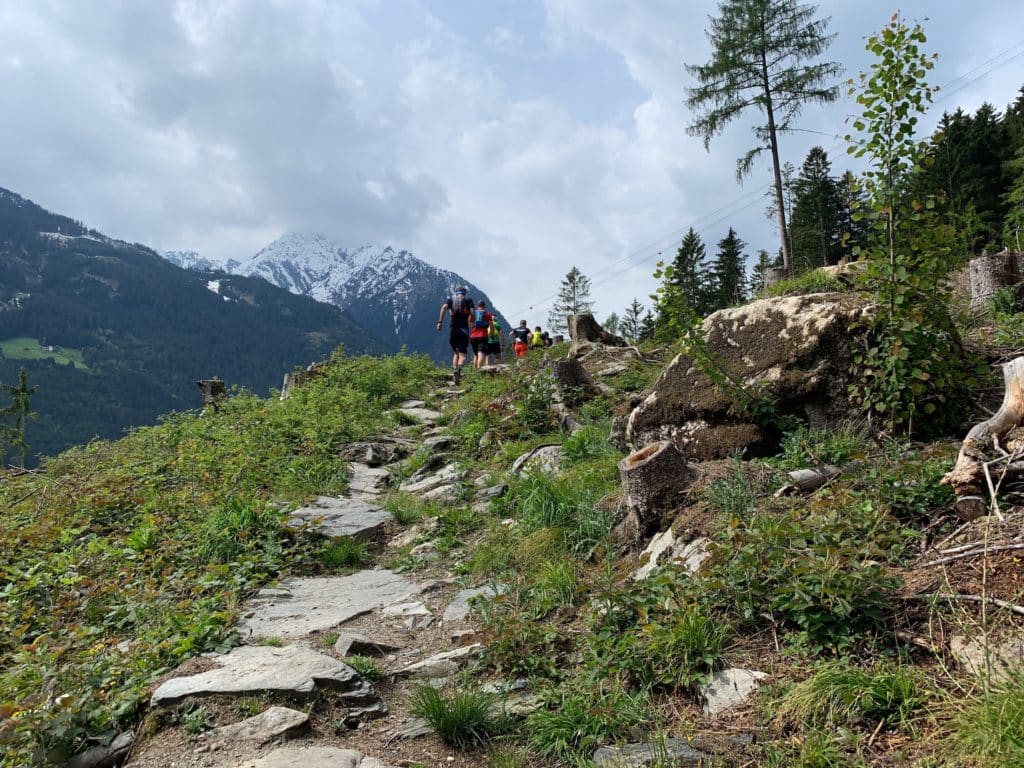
x=459 y=308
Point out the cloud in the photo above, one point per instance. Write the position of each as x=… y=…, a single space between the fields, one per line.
x=506 y=143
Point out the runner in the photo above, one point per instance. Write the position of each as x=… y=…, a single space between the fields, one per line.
x=520 y=338
x=536 y=339
x=478 y=333
x=495 y=342
x=459 y=307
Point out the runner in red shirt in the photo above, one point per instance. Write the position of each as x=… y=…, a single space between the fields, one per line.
x=478 y=325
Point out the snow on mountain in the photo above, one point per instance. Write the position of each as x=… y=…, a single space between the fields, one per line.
x=391 y=293
x=192 y=260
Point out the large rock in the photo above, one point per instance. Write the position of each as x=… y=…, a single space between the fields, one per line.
x=729 y=688
x=301 y=606
x=795 y=350
x=273 y=723
x=254 y=669
x=333 y=517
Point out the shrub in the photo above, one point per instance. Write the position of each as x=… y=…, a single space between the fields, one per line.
x=344 y=552
x=1004 y=301
x=461 y=717
x=839 y=693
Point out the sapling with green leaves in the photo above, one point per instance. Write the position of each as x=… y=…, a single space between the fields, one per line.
x=912 y=372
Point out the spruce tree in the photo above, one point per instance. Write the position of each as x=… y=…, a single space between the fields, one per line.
x=729 y=271
x=761 y=54
x=631 y=321
x=573 y=299
x=759 y=274
x=612 y=323
x=647 y=327
x=814 y=228
x=684 y=287
x=14 y=417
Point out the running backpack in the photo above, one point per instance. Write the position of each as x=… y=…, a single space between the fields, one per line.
x=461 y=305
x=480 y=318
x=494 y=331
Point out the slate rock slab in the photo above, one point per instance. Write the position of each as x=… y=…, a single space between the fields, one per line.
x=460 y=606
x=443 y=664
x=999 y=660
x=356 y=642
x=313 y=757
x=334 y=517
x=274 y=723
x=447 y=475
x=421 y=414
x=301 y=606
x=366 y=480
x=248 y=669
x=544 y=458
x=729 y=688
x=678 y=751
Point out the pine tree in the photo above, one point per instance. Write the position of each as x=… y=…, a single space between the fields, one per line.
x=612 y=323
x=573 y=299
x=14 y=417
x=853 y=232
x=631 y=321
x=729 y=271
x=759 y=52
x=647 y=327
x=684 y=287
x=759 y=274
x=814 y=228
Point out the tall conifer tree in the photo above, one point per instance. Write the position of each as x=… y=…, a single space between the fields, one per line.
x=814 y=229
x=14 y=417
x=573 y=299
x=729 y=271
x=761 y=57
x=631 y=321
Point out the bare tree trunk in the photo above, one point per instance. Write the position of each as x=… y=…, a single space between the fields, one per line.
x=773 y=141
x=967 y=478
x=990 y=273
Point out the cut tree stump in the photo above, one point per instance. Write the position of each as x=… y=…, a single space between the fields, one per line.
x=990 y=273
x=585 y=331
x=967 y=478
x=654 y=480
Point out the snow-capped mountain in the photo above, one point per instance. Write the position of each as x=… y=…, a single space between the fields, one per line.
x=195 y=262
x=393 y=294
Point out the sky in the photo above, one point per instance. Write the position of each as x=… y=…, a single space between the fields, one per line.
x=507 y=140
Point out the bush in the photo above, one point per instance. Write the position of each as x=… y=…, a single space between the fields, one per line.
x=460 y=717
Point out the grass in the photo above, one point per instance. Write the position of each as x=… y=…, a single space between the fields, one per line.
x=812 y=281
x=987 y=730
x=735 y=495
x=344 y=552
x=367 y=668
x=461 y=717
x=807 y=447
x=840 y=693
x=27 y=348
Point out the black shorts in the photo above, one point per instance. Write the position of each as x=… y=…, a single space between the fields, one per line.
x=458 y=338
x=493 y=348
x=479 y=345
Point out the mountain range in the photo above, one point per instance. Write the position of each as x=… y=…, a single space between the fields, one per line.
x=115 y=335
x=392 y=293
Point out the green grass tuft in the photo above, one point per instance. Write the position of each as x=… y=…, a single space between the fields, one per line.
x=988 y=728
x=813 y=281
x=461 y=717
x=344 y=552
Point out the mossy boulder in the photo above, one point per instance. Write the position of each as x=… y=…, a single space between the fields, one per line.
x=795 y=350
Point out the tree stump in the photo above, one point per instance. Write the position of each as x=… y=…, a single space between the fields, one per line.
x=654 y=480
x=213 y=391
x=988 y=274
x=967 y=478
x=584 y=328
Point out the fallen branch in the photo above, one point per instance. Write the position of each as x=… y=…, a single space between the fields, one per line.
x=930 y=596
x=972 y=553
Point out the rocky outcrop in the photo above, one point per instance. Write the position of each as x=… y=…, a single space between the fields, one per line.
x=794 y=350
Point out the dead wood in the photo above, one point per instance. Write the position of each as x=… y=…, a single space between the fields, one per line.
x=929 y=596
x=968 y=476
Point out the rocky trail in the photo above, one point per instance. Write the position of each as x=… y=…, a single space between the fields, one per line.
x=285 y=696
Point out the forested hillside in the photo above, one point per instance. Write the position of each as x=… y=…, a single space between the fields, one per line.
x=142 y=330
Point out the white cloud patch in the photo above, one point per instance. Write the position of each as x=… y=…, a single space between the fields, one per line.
x=507 y=143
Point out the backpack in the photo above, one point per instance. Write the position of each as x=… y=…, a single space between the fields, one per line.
x=461 y=305
x=494 y=331
x=480 y=318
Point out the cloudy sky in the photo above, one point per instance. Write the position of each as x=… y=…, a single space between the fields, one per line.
x=506 y=139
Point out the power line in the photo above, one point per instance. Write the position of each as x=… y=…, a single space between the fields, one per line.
x=627 y=262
